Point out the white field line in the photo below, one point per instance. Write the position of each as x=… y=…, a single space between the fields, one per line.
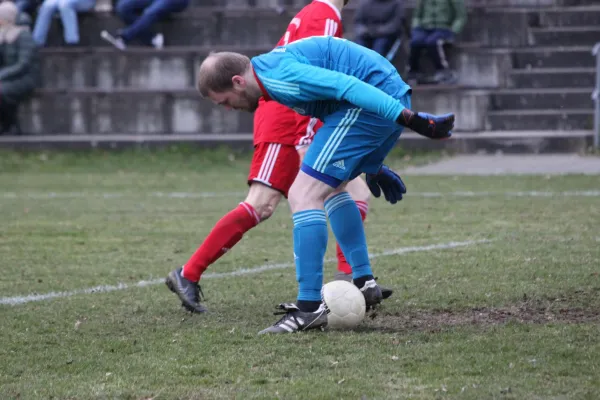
x=200 y=195
x=16 y=300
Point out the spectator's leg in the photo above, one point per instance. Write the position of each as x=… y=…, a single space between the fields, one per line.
x=417 y=43
x=435 y=46
x=43 y=21
x=383 y=44
x=9 y=118
x=142 y=27
x=364 y=41
x=68 y=14
x=130 y=10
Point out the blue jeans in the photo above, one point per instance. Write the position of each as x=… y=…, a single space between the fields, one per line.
x=68 y=10
x=432 y=40
x=140 y=15
x=382 y=44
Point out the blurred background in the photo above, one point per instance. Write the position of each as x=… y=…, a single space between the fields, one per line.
x=519 y=74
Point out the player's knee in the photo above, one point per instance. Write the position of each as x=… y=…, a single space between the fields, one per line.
x=308 y=193
x=359 y=190
x=265 y=211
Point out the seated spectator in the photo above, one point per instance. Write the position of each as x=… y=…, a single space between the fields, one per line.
x=140 y=16
x=378 y=24
x=68 y=10
x=435 y=24
x=19 y=66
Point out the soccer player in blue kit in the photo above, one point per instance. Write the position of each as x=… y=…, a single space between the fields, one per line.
x=364 y=105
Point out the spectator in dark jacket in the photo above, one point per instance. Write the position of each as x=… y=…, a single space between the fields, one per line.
x=19 y=66
x=27 y=6
x=140 y=16
x=378 y=23
x=435 y=23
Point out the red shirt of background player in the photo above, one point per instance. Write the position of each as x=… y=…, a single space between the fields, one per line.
x=275 y=123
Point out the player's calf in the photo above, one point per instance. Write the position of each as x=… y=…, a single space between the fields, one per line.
x=263 y=199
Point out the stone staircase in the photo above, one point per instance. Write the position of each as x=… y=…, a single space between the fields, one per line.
x=551 y=81
x=518 y=91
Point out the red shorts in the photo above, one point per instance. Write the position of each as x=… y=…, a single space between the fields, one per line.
x=275 y=165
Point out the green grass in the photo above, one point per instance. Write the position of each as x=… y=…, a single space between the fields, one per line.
x=514 y=318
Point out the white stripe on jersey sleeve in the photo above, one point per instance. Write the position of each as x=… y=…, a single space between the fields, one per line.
x=326 y=33
x=331 y=27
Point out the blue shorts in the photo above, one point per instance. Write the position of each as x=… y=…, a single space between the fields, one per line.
x=350 y=142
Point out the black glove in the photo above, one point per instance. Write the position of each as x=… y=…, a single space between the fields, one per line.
x=428 y=125
x=387 y=181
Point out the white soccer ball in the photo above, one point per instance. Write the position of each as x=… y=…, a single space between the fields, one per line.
x=345 y=305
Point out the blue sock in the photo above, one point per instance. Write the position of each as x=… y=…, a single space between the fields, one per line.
x=349 y=232
x=310 y=243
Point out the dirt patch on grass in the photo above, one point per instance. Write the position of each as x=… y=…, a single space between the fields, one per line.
x=579 y=307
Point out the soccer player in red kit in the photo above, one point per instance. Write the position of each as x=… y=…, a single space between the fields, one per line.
x=281 y=137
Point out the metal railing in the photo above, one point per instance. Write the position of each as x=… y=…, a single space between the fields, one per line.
x=596 y=97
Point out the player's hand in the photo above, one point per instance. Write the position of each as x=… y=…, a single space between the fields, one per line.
x=387 y=181
x=428 y=125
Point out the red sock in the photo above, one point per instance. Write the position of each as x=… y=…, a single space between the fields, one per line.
x=343 y=265
x=224 y=235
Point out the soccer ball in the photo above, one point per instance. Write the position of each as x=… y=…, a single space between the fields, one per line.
x=345 y=305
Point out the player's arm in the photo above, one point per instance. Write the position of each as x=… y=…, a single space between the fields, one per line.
x=317 y=83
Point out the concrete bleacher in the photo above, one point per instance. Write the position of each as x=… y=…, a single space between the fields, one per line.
x=522 y=70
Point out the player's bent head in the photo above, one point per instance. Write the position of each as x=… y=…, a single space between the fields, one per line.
x=218 y=70
x=223 y=77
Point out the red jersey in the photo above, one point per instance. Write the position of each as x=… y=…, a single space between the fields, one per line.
x=275 y=123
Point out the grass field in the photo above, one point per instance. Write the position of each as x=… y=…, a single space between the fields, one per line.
x=496 y=296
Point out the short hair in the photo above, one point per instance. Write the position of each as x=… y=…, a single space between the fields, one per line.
x=217 y=69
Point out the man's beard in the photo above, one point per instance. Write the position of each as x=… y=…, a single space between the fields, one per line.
x=252 y=103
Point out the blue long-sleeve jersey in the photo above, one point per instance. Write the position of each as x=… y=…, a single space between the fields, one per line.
x=314 y=75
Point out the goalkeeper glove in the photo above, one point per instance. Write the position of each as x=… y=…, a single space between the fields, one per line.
x=387 y=181
x=428 y=125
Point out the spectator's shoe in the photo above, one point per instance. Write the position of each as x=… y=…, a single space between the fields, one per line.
x=413 y=78
x=188 y=291
x=158 y=41
x=115 y=40
x=341 y=276
x=445 y=77
x=372 y=293
x=295 y=320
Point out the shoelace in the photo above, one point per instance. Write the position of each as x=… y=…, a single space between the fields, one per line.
x=285 y=310
x=200 y=296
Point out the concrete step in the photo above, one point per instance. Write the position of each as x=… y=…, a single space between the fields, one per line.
x=559 y=119
x=541 y=99
x=127 y=112
x=175 y=67
x=137 y=68
x=552 y=78
x=565 y=36
x=222 y=27
x=155 y=111
x=509 y=142
x=265 y=26
x=571 y=3
x=567 y=16
x=553 y=57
